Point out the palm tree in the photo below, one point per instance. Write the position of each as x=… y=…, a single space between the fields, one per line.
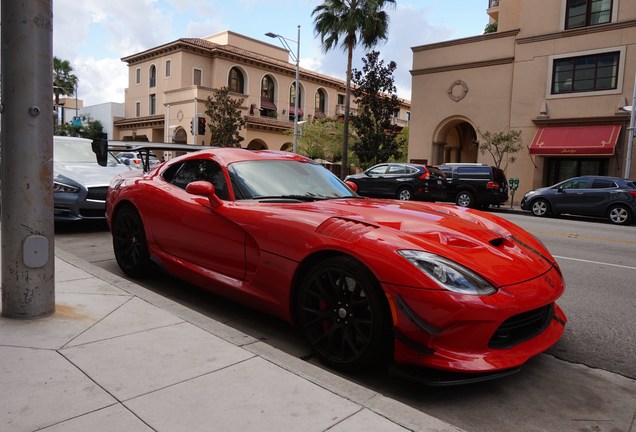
x=64 y=81
x=354 y=22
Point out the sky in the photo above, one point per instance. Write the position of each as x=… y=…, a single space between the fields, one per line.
x=93 y=35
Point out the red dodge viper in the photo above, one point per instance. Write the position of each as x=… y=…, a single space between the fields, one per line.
x=368 y=282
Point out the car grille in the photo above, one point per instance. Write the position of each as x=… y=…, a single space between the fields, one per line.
x=97 y=193
x=522 y=327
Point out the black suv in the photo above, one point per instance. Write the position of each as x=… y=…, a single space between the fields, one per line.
x=475 y=185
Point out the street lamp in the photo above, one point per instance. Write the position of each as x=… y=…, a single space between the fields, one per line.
x=630 y=138
x=295 y=57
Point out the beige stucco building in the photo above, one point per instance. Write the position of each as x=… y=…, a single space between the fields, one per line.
x=560 y=71
x=168 y=84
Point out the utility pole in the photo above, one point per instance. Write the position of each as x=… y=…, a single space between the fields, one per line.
x=28 y=254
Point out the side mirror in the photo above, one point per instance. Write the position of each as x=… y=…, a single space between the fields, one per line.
x=204 y=189
x=352 y=185
x=100 y=148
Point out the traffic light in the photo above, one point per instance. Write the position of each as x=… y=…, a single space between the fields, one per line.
x=201 y=125
x=192 y=126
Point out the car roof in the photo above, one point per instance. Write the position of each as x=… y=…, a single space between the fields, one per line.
x=228 y=155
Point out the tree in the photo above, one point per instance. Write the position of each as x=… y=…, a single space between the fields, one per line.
x=377 y=104
x=226 y=120
x=91 y=129
x=353 y=22
x=403 y=146
x=64 y=81
x=500 y=145
x=321 y=139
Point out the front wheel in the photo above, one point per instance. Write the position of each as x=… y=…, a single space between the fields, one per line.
x=540 y=207
x=620 y=215
x=343 y=315
x=129 y=242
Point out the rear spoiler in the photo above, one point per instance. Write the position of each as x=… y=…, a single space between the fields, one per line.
x=144 y=149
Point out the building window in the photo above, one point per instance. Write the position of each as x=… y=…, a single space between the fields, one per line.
x=583 y=13
x=197 y=77
x=152 y=76
x=138 y=76
x=235 y=81
x=341 y=99
x=320 y=104
x=268 y=108
x=585 y=73
x=137 y=109
x=168 y=64
x=292 y=102
x=153 y=104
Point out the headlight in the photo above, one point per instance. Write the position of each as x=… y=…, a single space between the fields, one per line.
x=449 y=274
x=61 y=187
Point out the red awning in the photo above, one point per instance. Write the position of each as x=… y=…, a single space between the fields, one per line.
x=292 y=110
x=596 y=140
x=267 y=104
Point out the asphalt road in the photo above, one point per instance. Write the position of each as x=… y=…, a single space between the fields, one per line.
x=584 y=383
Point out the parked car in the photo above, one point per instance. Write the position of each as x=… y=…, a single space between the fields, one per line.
x=367 y=281
x=80 y=183
x=475 y=185
x=135 y=159
x=401 y=181
x=600 y=196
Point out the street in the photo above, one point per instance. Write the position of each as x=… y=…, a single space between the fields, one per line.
x=584 y=383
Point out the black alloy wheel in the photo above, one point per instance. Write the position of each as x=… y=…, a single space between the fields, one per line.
x=540 y=207
x=619 y=215
x=129 y=242
x=343 y=314
x=404 y=193
x=465 y=199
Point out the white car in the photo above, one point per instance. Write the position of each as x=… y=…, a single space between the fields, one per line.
x=134 y=159
x=80 y=183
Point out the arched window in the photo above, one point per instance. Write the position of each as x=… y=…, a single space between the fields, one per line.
x=153 y=76
x=236 y=81
x=268 y=108
x=292 y=101
x=320 y=104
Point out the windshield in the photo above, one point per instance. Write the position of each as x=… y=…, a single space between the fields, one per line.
x=77 y=152
x=285 y=179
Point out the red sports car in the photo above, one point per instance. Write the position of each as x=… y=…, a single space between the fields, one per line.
x=368 y=282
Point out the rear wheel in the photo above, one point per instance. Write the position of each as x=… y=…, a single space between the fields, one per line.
x=465 y=199
x=129 y=242
x=343 y=315
x=405 y=193
x=620 y=215
x=540 y=207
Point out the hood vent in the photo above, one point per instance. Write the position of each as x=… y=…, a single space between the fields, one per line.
x=344 y=229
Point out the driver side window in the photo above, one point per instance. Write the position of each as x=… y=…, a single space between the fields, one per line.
x=196 y=170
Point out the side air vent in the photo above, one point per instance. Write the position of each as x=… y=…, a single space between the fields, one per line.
x=344 y=229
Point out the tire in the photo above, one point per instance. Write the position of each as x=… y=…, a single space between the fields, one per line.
x=465 y=199
x=129 y=243
x=540 y=207
x=344 y=316
x=620 y=215
x=404 y=194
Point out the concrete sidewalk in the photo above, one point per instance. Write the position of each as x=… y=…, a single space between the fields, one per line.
x=118 y=357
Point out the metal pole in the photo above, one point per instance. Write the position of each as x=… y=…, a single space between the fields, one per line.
x=630 y=137
x=297 y=96
x=28 y=253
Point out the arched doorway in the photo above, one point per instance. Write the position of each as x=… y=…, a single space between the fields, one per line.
x=257 y=144
x=287 y=147
x=454 y=141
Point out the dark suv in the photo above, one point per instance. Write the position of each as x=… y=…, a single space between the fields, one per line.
x=475 y=185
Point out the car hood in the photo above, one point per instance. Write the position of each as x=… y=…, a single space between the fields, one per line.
x=89 y=174
x=483 y=242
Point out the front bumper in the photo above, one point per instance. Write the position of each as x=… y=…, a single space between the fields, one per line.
x=77 y=206
x=461 y=333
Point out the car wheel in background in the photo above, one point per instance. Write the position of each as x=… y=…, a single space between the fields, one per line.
x=619 y=215
x=540 y=207
x=404 y=193
x=129 y=242
x=344 y=316
x=465 y=199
